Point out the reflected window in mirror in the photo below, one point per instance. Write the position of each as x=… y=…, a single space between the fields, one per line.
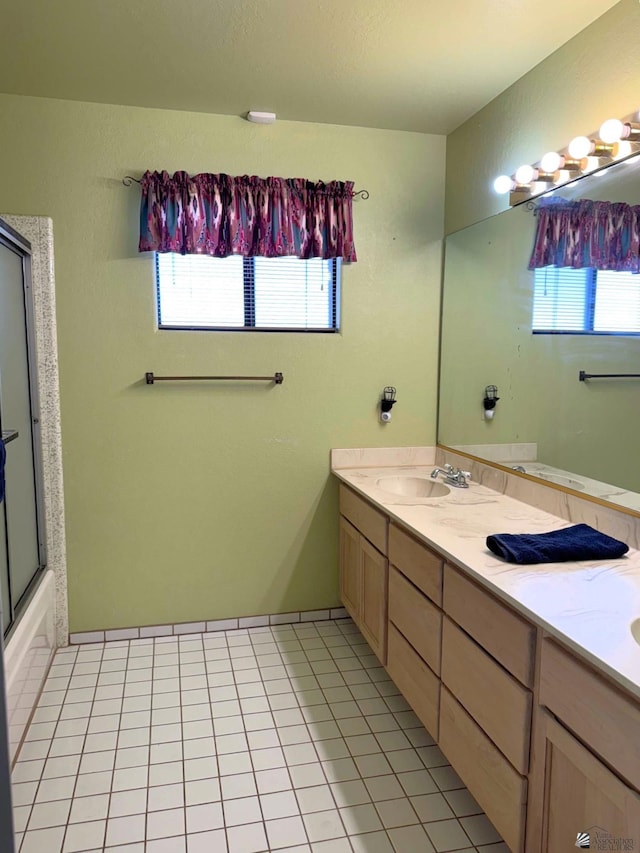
x=585 y=301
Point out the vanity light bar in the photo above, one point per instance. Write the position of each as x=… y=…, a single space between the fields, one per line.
x=615 y=141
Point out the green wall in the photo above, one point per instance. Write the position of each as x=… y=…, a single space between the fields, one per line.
x=592 y=77
x=193 y=502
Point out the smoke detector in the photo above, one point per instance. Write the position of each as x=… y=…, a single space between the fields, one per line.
x=261 y=118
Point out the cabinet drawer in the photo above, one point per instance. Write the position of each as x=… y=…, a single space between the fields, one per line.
x=495 y=700
x=417 y=562
x=415 y=617
x=507 y=637
x=599 y=714
x=369 y=521
x=497 y=787
x=419 y=686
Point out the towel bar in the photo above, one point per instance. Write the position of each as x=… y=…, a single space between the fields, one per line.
x=151 y=378
x=582 y=376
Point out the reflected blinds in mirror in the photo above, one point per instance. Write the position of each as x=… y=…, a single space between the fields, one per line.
x=585 y=301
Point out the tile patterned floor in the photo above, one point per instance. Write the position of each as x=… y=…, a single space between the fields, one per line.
x=285 y=738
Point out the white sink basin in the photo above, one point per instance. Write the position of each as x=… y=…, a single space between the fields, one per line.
x=635 y=630
x=569 y=482
x=413 y=487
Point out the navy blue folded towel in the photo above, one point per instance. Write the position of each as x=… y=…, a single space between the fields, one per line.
x=580 y=542
x=3 y=459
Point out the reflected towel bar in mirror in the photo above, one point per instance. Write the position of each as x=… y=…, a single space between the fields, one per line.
x=582 y=376
x=151 y=378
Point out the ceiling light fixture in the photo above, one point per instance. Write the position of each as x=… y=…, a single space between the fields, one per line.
x=617 y=141
x=261 y=118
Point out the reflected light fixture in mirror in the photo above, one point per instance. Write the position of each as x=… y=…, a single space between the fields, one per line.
x=617 y=140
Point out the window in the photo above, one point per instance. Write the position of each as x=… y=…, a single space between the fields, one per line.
x=585 y=301
x=235 y=293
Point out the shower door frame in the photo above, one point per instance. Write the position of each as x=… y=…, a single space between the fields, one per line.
x=15 y=242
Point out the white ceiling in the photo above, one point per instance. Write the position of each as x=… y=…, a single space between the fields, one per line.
x=414 y=65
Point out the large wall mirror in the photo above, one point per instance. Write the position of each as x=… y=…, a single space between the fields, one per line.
x=582 y=435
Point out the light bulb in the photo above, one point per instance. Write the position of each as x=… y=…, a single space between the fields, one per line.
x=503 y=184
x=580 y=147
x=526 y=174
x=611 y=130
x=551 y=161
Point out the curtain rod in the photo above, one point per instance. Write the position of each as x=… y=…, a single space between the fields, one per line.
x=129 y=179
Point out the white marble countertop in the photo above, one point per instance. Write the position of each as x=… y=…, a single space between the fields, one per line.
x=589 y=605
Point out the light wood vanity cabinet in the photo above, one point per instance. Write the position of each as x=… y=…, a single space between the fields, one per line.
x=364 y=568
x=415 y=625
x=588 y=757
x=486 y=704
x=581 y=794
x=548 y=746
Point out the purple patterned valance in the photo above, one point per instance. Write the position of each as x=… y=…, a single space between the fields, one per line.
x=604 y=235
x=220 y=215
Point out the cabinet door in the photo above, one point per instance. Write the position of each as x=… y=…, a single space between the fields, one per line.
x=350 y=569
x=581 y=795
x=373 y=615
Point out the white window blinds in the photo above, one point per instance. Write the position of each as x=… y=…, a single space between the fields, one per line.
x=288 y=294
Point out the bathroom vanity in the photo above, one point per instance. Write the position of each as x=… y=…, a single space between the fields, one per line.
x=527 y=677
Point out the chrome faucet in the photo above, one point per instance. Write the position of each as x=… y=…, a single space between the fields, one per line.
x=518 y=468
x=453 y=476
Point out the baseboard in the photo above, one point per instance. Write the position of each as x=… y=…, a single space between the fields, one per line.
x=177 y=628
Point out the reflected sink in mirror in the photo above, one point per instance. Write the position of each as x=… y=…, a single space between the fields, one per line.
x=569 y=482
x=412 y=487
x=635 y=630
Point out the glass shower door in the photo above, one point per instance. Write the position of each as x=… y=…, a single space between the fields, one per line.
x=24 y=550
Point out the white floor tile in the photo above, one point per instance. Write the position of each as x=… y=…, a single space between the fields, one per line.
x=247 y=839
x=88 y=784
x=84 y=836
x=177 y=844
x=480 y=830
x=204 y=817
x=268 y=781
x=124 y=803
x=372 y=842
x=164 y=824
x=430 y=807
x=410 y=838
x=291 y=734
x=315 y=799
x=358 y=819
x=44 y=839
x=321 y=826
x=285 y=832
x=396 y=813
x=243 y=810
x=125 y=830
x=238 y=785
x=447 y=835
x=279 y=805
x=166 y=797
x=207 y=842
x=89 y=808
